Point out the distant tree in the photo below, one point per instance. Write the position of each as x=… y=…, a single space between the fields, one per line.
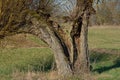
x=105 y=14
x=27 y=16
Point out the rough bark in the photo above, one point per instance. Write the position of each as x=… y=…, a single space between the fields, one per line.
x=82 y=61
x=79 y=34
x=66 y=43
x=45 y=33
x=61 y=60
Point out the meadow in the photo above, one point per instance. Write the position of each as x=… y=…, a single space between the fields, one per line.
x=104 y=44
x=24 y=56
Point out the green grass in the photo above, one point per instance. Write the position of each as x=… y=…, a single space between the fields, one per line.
x=106 y=66
x=23 y=60
x=108 y=38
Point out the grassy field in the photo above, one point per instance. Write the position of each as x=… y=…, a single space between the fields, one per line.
x=108 y=38
x=104 y=44
x=27 y=54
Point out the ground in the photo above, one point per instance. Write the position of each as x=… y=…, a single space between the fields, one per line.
x=25 y=57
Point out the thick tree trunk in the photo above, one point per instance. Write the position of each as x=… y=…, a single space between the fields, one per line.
x=57 y=44
x=48 y=35
x=80 y=44
x=79 y=35
x=84 y=44
x=61 y=60
x=83 y=57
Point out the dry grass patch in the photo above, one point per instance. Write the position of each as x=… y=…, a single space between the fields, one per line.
x=21 y=41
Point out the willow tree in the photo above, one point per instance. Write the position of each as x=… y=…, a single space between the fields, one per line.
x=24 y=16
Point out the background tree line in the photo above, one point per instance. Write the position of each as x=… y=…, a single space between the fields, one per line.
x=107 y=12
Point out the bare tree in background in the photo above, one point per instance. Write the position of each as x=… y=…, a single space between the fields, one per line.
x=25 y=16
x=105 y=14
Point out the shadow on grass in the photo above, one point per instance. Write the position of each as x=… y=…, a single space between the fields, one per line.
x=107 y=68
x=98 y=57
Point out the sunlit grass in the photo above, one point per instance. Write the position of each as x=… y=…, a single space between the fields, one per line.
x=104 y=37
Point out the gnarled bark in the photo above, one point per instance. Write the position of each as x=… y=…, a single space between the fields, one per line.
x=79 y=35
x=81 y=63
